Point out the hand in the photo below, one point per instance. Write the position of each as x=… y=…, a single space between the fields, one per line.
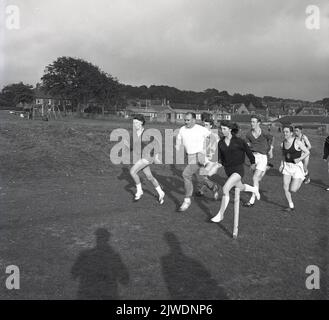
x=157 y=160
x=297 y=160
x=253 y=167
x=281 y=168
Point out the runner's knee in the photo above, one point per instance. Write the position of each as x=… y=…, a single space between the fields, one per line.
x=149 y=177
x=286 y=187
x=226 y=190
x=187 y=175
x=293 y=189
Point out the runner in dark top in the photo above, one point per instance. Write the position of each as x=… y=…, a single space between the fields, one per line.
x=261 y=145
x=231 y=154
x=293 y=153
x=303 y=138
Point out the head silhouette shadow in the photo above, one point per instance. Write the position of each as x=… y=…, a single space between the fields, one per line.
x=185 y=277
x=100 y=270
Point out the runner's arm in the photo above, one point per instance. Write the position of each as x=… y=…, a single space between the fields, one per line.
x=305 y=151
x=308 y=144
x=249 y=153
x=179 y=141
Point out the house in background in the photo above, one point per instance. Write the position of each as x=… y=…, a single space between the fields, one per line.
x=244 y=118
x=43 y=101
x=180 y=113
x=219 y=112
x=315 y=111
x=251 y=108
x=275 y=109
x=237 y=108
x=152 y=113
x=292 y=108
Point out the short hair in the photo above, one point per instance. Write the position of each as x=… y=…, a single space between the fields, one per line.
x=257 y=117
x=290 y=127
x=211 y=121
x=206 y=117
x=139 y=117
x=299 y=127
x=231 y=125
x=192 y=114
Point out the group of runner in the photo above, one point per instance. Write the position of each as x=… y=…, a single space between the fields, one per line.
x=207 y=152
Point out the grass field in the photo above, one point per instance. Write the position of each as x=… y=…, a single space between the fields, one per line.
x=59 y=192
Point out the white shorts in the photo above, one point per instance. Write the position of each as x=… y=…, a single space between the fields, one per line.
x=296 y=170
x=261 y=161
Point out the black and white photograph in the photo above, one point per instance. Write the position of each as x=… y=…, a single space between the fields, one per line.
x=164 y=150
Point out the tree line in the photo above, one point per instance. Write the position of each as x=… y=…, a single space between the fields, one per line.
x=87 y=85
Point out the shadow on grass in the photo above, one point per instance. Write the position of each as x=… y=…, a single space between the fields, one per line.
x=273 y=173
x=172 y=184
x=264 y=198
x=99 y=270
x=185 y=277
x=318 y=183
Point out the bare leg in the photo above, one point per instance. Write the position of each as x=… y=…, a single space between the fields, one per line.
x=286 y=188
x=258 y=175
x=305 y=163
x=295 y=184
x=232 y=181
x=147 y=171
x=138 y=166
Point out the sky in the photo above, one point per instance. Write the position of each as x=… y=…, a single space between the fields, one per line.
x=242 y=46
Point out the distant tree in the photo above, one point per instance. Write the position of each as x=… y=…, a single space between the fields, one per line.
x=250 y=98
x=211 y=93
x=80 y=81
x=224 y=94
x=237 y=98
x=16 y=93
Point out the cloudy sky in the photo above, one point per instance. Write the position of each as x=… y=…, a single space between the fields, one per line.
x=246 y=46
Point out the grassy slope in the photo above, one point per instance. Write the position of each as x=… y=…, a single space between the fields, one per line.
x=58 y=187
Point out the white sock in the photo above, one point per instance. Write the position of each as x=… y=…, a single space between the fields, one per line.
x=139 y=188
x=187 y=200
x=252 y=199
x=291 y=205
x=226 y=200
x=159 y=190
x=249 y=188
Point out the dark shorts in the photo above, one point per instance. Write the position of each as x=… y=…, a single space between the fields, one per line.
x=236 y=169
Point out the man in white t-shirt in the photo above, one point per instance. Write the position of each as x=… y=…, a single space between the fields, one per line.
x=193 y=137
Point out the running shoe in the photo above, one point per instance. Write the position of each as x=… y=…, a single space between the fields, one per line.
x=185 y=205
x=161 y=198
x=248 y=204
x=216 y=192
x=138 y=195
x=307 y=179
x=218 y=217
x=199 y=193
